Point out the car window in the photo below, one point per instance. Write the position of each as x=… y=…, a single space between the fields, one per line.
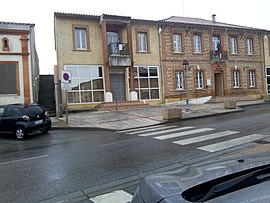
x=34 y=110
x=13 y=111
x=1 y=111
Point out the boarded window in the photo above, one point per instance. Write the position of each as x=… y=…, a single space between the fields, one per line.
x=8 y=82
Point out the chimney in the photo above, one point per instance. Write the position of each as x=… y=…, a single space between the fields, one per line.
x=214 y=18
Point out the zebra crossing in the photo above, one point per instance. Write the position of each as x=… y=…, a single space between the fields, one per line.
x=199 y=135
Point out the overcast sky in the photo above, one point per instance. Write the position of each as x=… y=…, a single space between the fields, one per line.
x=240 y=12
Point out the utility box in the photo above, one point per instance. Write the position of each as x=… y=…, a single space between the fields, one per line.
x=170 y=113
x=230 y=104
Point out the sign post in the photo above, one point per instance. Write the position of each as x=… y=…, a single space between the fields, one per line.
x=66 y=81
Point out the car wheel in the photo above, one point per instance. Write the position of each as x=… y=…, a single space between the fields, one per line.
x=20 y=133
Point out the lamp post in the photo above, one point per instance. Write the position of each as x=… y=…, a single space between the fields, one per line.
x=186 y=63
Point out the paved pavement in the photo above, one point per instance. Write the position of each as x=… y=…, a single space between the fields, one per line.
x=133 y=118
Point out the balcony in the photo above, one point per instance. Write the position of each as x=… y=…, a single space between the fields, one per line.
x=119 y=55
x=218 y=56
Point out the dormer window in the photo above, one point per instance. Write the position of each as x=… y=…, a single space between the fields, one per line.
x=5 y=44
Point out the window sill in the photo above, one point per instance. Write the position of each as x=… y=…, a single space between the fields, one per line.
x=82 y=50
x=141 y=52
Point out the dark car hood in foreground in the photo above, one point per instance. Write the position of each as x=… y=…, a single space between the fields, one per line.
x=170 y=185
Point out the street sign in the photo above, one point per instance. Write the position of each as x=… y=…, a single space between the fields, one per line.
x=65 y=76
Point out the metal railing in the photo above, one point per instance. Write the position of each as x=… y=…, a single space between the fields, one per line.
x=118 y=49
x=219 y=55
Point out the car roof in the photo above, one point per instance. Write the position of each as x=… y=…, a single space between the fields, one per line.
x=19 y=105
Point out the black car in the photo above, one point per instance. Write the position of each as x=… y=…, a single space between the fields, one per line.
x=229 y=181
x=22 y=120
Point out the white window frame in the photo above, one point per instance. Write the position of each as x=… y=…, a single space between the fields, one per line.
x=80 y=38
x=252 y=78
x=199 y=79
x=236 y=79
x=250 y=46
x=142 y=40
x=77 y=80
x=233 y=42
x=215 y=42
x=148 y=77
x=197 y=42
x=177 y=43
x=179 y=75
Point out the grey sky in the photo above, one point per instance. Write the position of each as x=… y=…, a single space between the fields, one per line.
x=240 y=12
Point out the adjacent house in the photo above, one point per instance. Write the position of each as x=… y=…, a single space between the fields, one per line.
x=224 y=59
x=267 y=62
x=110 y=58
x=117 y=58
x=19 y=66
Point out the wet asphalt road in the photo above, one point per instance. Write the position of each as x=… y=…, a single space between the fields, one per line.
x=62 y=162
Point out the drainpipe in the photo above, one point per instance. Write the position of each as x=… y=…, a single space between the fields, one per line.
x=160 y=63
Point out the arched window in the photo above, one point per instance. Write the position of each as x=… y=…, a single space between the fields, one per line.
x=5 y=44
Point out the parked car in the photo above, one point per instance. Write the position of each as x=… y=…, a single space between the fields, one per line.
x=232 y=180
x=22 y=120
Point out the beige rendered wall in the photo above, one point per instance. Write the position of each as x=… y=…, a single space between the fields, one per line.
x=64 y=43
x=152 y=57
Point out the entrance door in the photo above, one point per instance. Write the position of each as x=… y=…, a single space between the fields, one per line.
x=218 y=84
x=117 y=81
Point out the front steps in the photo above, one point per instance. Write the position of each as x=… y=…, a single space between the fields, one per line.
x=105 y=106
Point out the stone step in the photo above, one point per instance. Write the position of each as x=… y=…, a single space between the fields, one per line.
x=221 y=99
x=121 y=105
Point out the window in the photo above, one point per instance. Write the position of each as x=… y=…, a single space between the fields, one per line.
x=216 y=43
x=86 y=84
x=146 y=82
x=236 y=79
x=80 y=37
x=142 y=42
x=249 y=46
x=251 y=78
x=5 y=44
x=9 y=77
x=199 y=79
x=177 y=43
x=179 y=80
x=268 y=79
x=197 y=44
x=233 y=45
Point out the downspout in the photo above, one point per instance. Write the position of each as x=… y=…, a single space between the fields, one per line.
x=160 y=63
x=264 y=65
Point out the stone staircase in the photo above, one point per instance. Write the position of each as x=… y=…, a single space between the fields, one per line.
x=121 y=105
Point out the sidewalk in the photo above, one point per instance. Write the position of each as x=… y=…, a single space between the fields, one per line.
x=133 y=118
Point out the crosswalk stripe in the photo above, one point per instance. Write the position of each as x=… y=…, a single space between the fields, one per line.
x=165 y=131
x=164 y=137
x=205 y=137
x=143 y=128
x=151 y=130
x=232 y=143
x=118 y=196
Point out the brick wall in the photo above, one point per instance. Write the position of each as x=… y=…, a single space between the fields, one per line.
x=172 y=62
